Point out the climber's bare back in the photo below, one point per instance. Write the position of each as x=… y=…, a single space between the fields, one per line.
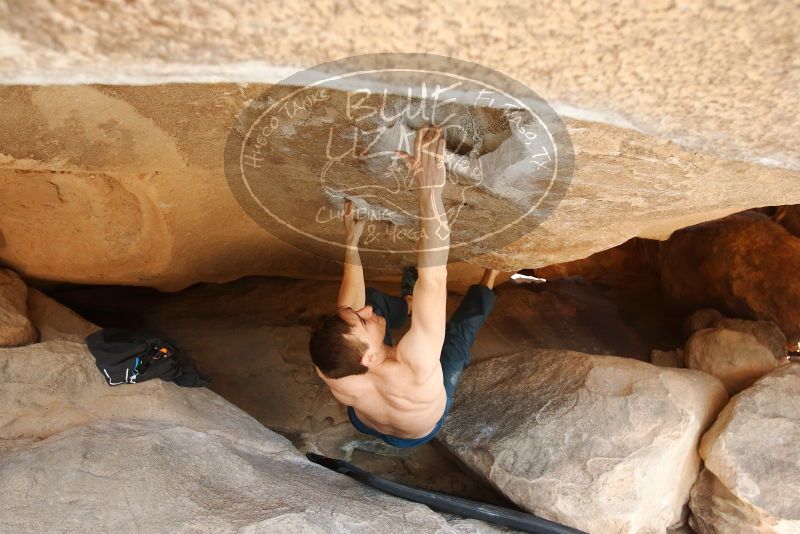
x=395 y=400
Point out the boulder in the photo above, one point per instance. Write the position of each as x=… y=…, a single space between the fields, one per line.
x=633 y=263
x=715 y=510
x=789 y=218
x=15 y=327
x=667 y=358
x=737 y=358
x=49 y=387
x=727 y=85
x=600 y=443
x=77 y=454
x=703 y=318
x=53 y=320
x=752 y=451
x=126 y=185
x=766 y=332
x=155 y=476
x=743 y=265
x=251 y=335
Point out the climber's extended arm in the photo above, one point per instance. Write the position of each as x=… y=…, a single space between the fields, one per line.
x=422 y=345
x=352 y=292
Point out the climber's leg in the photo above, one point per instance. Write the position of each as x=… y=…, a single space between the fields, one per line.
x=460 y=333
x=393 y=309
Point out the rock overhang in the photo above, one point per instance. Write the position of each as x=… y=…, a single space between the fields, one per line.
x=667 y=132
x=158 y=152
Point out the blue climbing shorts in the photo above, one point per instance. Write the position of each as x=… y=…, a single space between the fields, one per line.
x=460 y=332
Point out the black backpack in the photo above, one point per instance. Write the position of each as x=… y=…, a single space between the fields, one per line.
x=126 y=357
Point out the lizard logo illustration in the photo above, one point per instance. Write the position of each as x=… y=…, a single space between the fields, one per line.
x=304 y=147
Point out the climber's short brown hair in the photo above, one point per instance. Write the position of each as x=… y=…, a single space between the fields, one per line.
x=334 y=354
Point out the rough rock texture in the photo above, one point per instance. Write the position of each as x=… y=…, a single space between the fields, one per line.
x=715 y=510
x=77 y=454
x=752 y=451
x=738 y=359
x=632 y=263
x=700 y=319
x=565 y=434
x=727 y=84
x=789 y=218
x=629 y=276
x=743 y=265
x=766 y=332
x=668 y=358
x=61 y=377
x=126 y=185
x=154 y=476
x=570 y=314
x=15 y=327
x=55 y=321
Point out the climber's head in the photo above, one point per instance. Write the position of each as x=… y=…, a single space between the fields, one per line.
x=348 y=342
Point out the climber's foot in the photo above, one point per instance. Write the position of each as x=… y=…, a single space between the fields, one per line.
x=488 y=277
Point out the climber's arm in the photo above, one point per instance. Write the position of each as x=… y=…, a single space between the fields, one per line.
x=422 y=345
x=352 y=292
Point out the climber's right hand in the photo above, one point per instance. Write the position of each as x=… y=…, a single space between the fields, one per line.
x=427 y=164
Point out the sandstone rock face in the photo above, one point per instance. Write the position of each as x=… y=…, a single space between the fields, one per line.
x=632 y=263
x=700 y=319
x=603 y=444
x=61 y=376
x=15 y=327
x=737 y=359
x=126 y=185
x=715 y=510
x=668 y=358
x=76 y=453
x=743 y=265
x=55 y=321
x=727 y=85
x=152 y=476
x=789 y=218
x=752 y=452
x=766 y=332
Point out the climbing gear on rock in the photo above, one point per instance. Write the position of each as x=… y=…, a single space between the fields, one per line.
x=125 y=357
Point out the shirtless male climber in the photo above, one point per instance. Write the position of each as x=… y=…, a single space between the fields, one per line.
x=402 y=393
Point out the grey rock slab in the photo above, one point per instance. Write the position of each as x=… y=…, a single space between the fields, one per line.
x=155 y=476
x=600 y=443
